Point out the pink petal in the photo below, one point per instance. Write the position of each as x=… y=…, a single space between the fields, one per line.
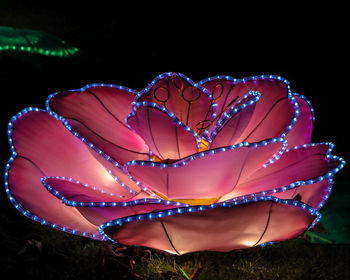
x=216 y=229
x=98 y=113
x=313 y=195
x=26 y=188
x=75 y=191
x=208 y=174
x=189 y=102
x=44 y=142
x=163 y=133
x=295 y=165
x=232 y=124
x=301 y=132
x=100 y=215
x=99 y=207
x=286 y=223
x=116 y=172
x=273 y=113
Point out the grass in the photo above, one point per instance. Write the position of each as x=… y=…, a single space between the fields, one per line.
x=38 y=252
x=294 y=259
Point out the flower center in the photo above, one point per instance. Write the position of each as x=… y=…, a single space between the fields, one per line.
x=204 y=146
x=200 y=201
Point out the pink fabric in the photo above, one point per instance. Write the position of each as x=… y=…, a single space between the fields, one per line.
x=100 y=215
x=273 y=112
x=79 y=192
x=163 y=135
x=302 y=129
x=26 y=187
x=45 y=141
x=207 y=177
x=98 y=114
x=45 y=148
x=295 y=165
x=190 y=105
x=219 y=229
x=117 y=166
x=231 y=130
x=311 y=194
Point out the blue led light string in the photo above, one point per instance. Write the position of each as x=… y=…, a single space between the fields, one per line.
x=73 y=203
x=308 y=102
x=234 y=109
x=188 y=159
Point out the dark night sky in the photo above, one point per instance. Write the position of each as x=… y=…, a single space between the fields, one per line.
x=123 y=48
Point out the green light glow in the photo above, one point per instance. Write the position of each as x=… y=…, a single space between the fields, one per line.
x=34 y=42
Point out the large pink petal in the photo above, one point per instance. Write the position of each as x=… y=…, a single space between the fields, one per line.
x=301 y=132
x=166 y=136
x=33 y=200
x=274 y=112
x=189 y=102
x=45 y=143
x=300 y=164
x=217 y=228
x=208 y=174
x=97 y=113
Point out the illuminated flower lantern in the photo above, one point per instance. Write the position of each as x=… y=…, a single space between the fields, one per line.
x=180 y=166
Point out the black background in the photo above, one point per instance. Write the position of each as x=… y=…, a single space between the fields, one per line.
x=131 y=45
